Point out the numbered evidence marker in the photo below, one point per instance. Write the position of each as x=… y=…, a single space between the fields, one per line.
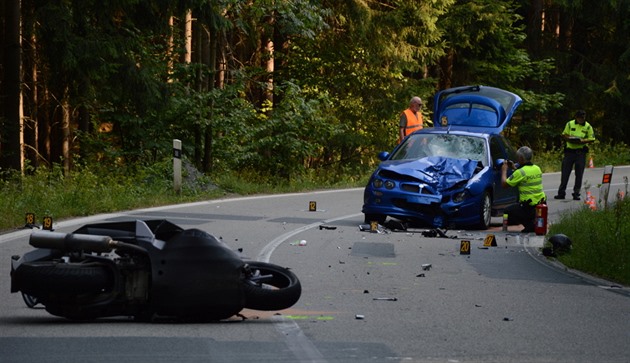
x=47 y=223
x=490 y=241
x=312 y=206
x=464 y=247
x=29 y=219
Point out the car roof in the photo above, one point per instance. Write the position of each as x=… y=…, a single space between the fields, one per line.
x=477 y=109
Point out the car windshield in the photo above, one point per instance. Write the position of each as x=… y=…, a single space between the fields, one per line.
x=419 y=146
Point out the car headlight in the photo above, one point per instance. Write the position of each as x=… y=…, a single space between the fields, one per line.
x=378 y=183
x=390 y=184
x=460 y=196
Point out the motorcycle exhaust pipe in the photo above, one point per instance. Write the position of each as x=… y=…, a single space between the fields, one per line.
x=71 y=241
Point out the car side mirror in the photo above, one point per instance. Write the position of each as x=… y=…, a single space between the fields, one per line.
x=383 y=155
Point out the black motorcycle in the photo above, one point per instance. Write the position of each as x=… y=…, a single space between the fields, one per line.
x=146 y=270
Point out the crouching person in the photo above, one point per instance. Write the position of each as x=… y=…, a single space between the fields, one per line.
x=528 y=179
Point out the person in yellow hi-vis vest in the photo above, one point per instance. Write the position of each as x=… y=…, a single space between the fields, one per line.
x=577 y=133
x=528 y=179
x=410 y=119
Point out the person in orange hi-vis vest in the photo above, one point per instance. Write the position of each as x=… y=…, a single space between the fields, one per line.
x=410 y=119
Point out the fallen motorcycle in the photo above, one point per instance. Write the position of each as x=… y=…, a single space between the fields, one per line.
x=146 y=270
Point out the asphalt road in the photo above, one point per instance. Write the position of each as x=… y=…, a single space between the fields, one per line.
x=498 y=304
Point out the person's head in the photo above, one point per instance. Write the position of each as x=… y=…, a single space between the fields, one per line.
x=580 y=117
x=524 y=155
x=415 y=104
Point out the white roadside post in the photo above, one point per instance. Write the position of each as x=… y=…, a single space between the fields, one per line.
x=604 y=190
x=177 y=165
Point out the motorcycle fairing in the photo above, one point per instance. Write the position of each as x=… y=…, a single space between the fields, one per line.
x=195 y=272
x=192 y=271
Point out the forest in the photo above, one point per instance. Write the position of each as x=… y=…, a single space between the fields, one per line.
x=279 y=88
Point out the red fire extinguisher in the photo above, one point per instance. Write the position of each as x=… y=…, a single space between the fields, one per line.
x=540 y=225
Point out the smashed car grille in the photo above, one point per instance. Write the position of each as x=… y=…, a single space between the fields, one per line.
x=430 y=209
x=410 y=188
x=415 y=188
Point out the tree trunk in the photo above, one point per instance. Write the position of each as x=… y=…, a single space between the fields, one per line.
x=209 y=58
x=269 y=67
x=535 y=27
x=31 y=103
x=188 y=37
x=11 y=137
x=66 y=115
x=446 y=69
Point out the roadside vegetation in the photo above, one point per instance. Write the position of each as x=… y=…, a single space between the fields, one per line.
x=600 y=240
x=599 y=237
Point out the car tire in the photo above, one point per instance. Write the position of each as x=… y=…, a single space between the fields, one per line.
x=485 y=211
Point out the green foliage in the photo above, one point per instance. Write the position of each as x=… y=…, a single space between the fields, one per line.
x=283 y=140
x=89 y=191
x=485 y=40
x=599 y=240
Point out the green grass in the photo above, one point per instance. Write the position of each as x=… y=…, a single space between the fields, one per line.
x=599 y=237
x=600 y=240
x=88 y=190
x=50 y=193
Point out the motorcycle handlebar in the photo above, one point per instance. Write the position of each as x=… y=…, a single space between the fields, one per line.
x=71 y=241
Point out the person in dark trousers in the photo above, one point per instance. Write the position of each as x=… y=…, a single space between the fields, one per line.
x=527 y=177
x=577 y=133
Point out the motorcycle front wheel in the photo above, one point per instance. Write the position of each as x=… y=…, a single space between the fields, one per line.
x=270 y=287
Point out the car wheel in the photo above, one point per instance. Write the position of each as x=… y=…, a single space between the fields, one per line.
x=485 y=212
x=369 y=217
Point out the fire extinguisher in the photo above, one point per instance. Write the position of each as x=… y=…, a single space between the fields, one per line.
x=540 y=227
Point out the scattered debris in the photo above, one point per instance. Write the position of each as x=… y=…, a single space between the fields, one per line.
x=323 y=226
x=299 y=243
x=368 y=228
x=548 y=252
x=395 y=225
x=436 y=232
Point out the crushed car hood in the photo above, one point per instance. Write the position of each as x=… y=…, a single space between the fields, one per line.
x=437 y=171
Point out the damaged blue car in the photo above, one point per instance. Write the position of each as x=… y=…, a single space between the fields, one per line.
x=448 y=175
